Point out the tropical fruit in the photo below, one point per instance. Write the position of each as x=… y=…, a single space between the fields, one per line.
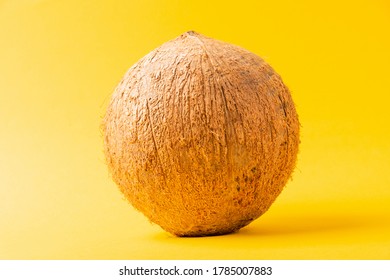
x=201 y=136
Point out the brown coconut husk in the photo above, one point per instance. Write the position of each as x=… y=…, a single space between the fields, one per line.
x=201 y=136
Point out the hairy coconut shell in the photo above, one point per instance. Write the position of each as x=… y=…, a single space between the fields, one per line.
x=201 y=136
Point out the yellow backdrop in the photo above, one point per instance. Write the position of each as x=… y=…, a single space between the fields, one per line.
x=60 y=61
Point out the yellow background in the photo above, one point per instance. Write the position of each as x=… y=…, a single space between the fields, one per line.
x=60 y=61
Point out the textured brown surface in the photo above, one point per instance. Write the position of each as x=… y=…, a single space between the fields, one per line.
x=201 y=136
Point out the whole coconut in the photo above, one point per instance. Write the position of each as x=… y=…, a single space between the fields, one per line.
x=201 y=136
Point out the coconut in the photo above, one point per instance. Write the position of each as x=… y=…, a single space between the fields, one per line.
x=201 y=136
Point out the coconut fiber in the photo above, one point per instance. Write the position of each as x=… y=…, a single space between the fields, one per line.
x=201 y=136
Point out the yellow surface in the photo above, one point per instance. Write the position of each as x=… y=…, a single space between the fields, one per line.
x=60 y=61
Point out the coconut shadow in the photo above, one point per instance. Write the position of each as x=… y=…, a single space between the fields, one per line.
x=284 y=226
x=310 y=224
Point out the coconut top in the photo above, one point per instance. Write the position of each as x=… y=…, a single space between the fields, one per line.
x=196 y=57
